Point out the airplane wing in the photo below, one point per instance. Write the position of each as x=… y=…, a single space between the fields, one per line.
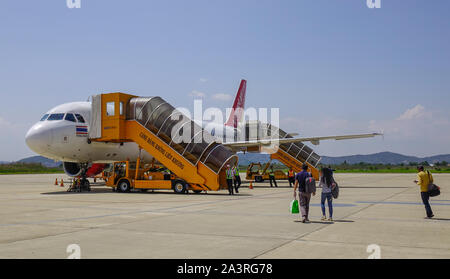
x=313 y=140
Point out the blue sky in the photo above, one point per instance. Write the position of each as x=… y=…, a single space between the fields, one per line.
x=332 y=67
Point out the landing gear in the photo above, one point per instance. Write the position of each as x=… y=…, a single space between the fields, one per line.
x=85 y=185
x=81 y=183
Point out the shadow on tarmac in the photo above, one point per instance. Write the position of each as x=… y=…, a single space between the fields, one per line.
x=326 y=222
x=342 y=187
x=148 y=192
x=439 y=219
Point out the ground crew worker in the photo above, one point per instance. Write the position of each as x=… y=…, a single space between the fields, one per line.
x=291 y=177
x=230 y=175
x=272 y=177
x=424 y=178
x=304 y=197
x=237 y=179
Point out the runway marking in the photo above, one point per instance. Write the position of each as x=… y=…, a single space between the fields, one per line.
x=364 y=244
x=325 y=226
x=401 y=203
x=165 y=209
x=335 y=204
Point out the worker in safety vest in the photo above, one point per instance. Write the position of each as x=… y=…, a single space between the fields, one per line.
x=237 y=179
x=230 y=176
x=272 y=177
x=291 y=177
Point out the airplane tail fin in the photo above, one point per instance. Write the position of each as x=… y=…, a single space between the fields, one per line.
x=238 y=106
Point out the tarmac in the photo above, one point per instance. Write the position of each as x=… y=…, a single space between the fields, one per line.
x=376 y=215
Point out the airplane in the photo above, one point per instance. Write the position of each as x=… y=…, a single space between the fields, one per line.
x=62 y=135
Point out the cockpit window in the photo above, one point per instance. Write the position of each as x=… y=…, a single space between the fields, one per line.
x=70 y=117
x=44 y=117
x=80 y=118
x=56 y=116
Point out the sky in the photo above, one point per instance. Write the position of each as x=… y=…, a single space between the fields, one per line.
x=331 y=67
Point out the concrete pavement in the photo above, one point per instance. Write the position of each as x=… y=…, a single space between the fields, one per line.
x=39 y=220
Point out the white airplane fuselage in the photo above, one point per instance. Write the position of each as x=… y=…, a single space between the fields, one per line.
x=62 y=137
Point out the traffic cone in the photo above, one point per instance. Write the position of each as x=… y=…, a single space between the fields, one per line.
x=251 y=185
x=56 y=181
x=62 y=183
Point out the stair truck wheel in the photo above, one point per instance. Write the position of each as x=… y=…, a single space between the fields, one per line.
x=259 y=178
x=179 y=186
x=123 y=186
x=197 y=191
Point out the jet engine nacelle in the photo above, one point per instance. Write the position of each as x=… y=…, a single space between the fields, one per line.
x=72 y=169
x=76 y=169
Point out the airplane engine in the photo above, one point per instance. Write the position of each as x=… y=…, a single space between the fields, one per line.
x=75 y=169
x=72 y=169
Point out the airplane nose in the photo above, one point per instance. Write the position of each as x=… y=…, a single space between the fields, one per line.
x=38 y=139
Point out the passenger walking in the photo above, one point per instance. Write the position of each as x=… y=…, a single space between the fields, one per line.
x=272 y=177
x=326 y=181
x=237 y=179
x=304 y=197
x=291 y=177
x=424 y=178
x=230 y=176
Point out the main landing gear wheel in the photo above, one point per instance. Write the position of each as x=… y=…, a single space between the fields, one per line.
x=259 y=179
x=123 y=186
x=85 y=185
x=179 y=186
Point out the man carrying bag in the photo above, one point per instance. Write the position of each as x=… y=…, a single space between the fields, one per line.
x=427 y=188
x=303 y=195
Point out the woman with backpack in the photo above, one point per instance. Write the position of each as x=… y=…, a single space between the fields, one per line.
x=327 y=183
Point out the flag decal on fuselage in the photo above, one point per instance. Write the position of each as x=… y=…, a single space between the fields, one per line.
x=81 y=131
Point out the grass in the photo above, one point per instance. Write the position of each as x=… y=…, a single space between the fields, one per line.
x=380 y=168
x=36 y=168
x=388 y=171
x=368 y=168
x=27 y=168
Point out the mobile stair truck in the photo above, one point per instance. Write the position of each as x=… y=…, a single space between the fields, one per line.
x=196 y=164
x=256 y=172
x=293 y=155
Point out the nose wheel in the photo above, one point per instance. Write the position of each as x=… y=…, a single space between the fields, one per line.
x=82 y=183
x=85 y=185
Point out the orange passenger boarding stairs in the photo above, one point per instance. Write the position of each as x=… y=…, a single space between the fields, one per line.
x=150 y=122
x=293 y=155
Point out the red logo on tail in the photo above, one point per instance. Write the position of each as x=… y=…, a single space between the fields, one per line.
x=238 y=106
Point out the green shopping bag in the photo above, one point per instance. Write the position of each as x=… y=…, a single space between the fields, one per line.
x=294 y=207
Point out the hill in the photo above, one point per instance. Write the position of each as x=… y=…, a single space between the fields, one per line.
x=247 y=158
x=40 y=160
x=377 y=158
x=383 y=158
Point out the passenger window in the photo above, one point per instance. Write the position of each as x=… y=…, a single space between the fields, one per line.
x=80 y=118
x=70 y=117
x=110 y=109
x=56 y=116
x=44 y=117
x=121 y=108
